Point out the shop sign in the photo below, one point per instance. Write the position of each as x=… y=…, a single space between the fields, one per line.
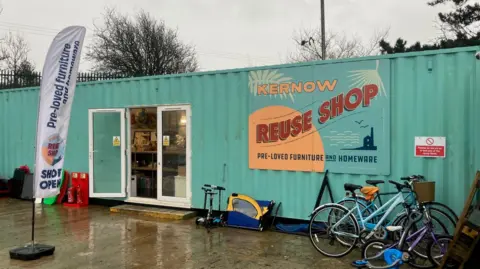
x=430 y=146
x=333 y=116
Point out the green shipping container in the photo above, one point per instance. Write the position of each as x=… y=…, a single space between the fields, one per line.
x=267 y=132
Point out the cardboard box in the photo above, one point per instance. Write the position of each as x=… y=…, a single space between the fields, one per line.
x=182 y=171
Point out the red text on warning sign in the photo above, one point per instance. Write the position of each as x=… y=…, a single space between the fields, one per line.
x=430 y=151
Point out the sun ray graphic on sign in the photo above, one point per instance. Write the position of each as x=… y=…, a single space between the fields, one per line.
x=360 y=78
x=267 y=77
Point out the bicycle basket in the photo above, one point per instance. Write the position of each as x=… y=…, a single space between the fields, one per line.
x=425 y=191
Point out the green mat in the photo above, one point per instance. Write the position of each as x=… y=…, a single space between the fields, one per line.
x=52 y=200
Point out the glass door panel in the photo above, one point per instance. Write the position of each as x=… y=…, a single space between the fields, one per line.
x=144 y=152
x=107 y=157
x=173 y=157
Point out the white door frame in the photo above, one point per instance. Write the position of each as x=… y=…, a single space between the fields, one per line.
x=128 y=152
x=122 y=193
x=162 y=201
x=182 y=202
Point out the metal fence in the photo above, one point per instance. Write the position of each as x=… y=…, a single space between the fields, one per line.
x=10 y=79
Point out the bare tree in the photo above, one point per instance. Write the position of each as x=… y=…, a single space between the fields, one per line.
x=140 y=47
x=14 y=51
x=309 y=47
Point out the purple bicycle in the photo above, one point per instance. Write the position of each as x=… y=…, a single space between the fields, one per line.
x=419 y=248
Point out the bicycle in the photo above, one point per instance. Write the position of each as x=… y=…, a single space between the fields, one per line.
x=339 y=233
x=211 y=221
x=410 y=194
x=395 y=254
x=369 y=206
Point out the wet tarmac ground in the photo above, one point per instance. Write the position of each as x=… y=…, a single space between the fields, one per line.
x=95 y=238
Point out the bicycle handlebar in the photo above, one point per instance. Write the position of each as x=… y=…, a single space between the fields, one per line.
x=214 y=187
x=413 y=177
x=399 y=186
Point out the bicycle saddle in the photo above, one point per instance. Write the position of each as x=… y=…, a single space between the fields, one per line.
x=374 y=182
x=351 y=187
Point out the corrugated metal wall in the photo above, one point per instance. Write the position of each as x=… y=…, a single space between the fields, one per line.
x=432 y=94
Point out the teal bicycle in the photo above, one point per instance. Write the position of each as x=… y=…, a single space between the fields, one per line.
x=345 y=227
x=367 y=207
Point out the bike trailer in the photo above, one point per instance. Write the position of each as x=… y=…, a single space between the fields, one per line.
x=245 y=212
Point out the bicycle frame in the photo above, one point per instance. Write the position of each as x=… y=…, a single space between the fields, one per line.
x=400 y=243
x=421 y=233
x=391 y=204
x=409 y=194
x=372 y=207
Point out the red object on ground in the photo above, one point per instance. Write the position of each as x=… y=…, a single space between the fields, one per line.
x=63 y=189
x=71 y=195
x=80 y=184
x=79 y=196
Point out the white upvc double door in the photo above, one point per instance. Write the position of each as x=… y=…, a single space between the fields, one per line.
x=112 y=173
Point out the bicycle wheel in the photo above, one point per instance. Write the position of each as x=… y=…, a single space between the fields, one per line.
x=363 y=205
x=447 y=216
x=442 y=224
x=419 y=254
x=373 y=251
x=324 y=235
x=350 y=204
x=443 y=207
x=438 y=248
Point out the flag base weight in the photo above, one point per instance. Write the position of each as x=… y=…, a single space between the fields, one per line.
x=28 y=253
x=32 y=251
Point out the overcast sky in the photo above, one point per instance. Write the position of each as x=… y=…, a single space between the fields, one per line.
x=226 y=33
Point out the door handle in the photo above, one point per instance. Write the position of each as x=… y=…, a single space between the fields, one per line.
x=90 y=154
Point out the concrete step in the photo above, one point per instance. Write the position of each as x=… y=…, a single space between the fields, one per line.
x=155 y=212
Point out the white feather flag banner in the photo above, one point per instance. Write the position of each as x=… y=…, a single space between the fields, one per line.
x=57 y=90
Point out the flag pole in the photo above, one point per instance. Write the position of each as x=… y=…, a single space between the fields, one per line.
x=34 y=166
x=57 y=87
x=33 y=223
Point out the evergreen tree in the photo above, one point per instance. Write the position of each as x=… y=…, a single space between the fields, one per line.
x=460 y=27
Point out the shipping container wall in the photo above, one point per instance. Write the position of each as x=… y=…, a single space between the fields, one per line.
x=432 y=94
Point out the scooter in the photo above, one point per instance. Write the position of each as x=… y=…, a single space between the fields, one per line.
x=210 y=221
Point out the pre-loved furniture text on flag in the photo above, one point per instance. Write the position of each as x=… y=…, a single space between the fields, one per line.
x=57 y=90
